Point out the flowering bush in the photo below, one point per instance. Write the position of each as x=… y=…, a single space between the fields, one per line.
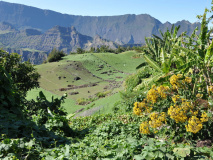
x=180 y=113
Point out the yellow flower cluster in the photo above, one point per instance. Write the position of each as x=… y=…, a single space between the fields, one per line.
x=204 y=117
x=176 y=81
x=156 y=92
x=152 y=94
x=141 y=107
x=181 y=110
x=179 y=113
x=187 y=80
x=136 y=109
x=194 y=113
x=144 y=128
x=194 y=125
x=162 y=91
x=157 y=119
x=175 y=98
x=199 y=95
x=210 y=88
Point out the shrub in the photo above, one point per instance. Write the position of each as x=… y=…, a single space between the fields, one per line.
x=167 y=108
x=80 y=51
x=55 y=55
x=131 y=82
x=103 y=94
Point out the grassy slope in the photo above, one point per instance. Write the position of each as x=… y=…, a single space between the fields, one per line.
x=122 y=62
x=116 y=67
x=71 y=107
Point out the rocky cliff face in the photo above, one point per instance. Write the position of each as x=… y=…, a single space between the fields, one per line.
x=121 y=29
x=62 y=38
x=35 y=57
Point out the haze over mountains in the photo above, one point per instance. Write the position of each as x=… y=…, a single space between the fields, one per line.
x=34 y=28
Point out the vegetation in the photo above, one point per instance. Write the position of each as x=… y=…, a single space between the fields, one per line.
x=178 y=106
x=166 y=112
x=55 y=55
x=103 y=49
x=23 y=74
x=26 y=125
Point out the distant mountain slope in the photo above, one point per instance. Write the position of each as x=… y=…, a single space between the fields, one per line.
x=122 y=29
x=62 y=38
x=35 y=57
x=6 y=28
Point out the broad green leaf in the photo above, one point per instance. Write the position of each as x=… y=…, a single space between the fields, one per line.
x=183 y=152
x=42 y=96
x=209 y=53
x=152 y=63
x=67 y=154
x=138 y=157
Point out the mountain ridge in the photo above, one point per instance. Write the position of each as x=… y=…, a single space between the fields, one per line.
x=121 y=28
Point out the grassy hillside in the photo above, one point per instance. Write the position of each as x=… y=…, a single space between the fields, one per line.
x=97 y=72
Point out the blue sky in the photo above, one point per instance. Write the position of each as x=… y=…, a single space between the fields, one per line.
x=163 y=10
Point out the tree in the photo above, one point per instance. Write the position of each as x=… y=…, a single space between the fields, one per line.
x=104 y=48
x=92 y=50
x=7 y=92
x=55 y=55
x=23 y=75
x=98 y=50
x=80 y=51
x=120 y=49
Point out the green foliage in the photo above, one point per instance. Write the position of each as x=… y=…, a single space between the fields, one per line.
x=23 y=74
x=27 y=126
x=55 y=55
x=50 y=114
x=103 y=94
x=85 y=101
x=134 y=80
x=80 y=51
x=82 y=101
x=7 y=96
x=159 y=55
x=197 y=56
x=92 y=50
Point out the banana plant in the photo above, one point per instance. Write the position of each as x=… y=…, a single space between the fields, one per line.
x=160 y=51
x=198 y=52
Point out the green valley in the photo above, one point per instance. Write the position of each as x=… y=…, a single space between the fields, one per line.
x=83 y=76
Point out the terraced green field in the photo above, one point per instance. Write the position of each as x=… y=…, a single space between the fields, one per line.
x=84 y=75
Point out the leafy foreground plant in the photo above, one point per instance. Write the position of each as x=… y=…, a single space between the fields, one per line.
x=27 y=127
x=179 y=108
